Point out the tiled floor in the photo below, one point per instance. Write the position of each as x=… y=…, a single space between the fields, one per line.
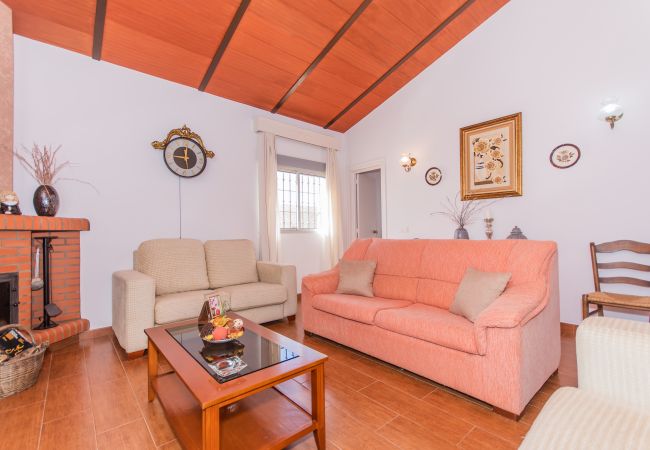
x=89 y=397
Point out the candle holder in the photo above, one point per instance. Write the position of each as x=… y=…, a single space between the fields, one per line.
x=488 y=227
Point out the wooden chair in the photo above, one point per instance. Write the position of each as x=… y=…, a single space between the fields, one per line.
x=600 y=298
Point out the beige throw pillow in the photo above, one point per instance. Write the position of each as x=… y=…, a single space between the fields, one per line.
x=477 y=291
x=355 y=277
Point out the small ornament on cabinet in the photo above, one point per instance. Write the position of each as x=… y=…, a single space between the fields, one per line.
x=488 y=224
x=516 y=233
x=9 y=203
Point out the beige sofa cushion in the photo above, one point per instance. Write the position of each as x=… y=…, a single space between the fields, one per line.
x=477 y=291
x=356 y=277
x=231 y=262
x=179 y=306
x=252 y=295
x=177 y=265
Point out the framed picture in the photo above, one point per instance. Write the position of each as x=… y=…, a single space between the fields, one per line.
x=565 y=156
x=490 y=159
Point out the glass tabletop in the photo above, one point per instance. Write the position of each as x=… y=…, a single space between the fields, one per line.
x=227 y=361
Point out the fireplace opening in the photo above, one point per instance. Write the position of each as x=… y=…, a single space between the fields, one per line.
x=8 y=298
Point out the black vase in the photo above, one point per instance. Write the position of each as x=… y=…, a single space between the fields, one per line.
x=46 y=201
x=461 y=233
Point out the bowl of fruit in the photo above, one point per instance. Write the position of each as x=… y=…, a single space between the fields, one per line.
x=222 y=329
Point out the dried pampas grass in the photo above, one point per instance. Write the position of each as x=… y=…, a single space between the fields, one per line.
x=464 y=213
x=41 y=164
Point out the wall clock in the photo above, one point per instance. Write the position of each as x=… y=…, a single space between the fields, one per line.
x=184 y=152
x=433 y=176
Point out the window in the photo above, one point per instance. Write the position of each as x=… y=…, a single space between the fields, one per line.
x=300 y=199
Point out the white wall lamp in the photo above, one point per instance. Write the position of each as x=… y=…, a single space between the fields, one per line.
x=611 y=112
x=407 y=161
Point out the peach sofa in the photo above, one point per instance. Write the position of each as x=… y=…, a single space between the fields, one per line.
x=503 y=358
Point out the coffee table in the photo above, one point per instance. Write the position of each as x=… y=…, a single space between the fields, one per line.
x=247 y=411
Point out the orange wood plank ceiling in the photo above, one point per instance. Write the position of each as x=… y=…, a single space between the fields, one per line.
x=327 y=62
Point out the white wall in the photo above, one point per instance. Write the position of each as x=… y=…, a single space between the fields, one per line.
x=554 y=61
x=105 y=117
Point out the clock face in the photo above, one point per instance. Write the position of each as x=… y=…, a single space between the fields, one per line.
x=185 y=157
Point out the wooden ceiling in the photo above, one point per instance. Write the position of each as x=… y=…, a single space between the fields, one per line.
x=326 y=62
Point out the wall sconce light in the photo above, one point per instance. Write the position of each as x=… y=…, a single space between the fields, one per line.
x=407 y=161
x=611 y=112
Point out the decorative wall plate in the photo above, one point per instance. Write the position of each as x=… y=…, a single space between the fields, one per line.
x=565 y=156
x=433 y=176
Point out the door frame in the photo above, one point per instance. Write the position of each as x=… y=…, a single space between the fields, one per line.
x=377 y=164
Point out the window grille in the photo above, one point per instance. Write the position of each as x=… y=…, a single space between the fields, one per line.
x=300 y=200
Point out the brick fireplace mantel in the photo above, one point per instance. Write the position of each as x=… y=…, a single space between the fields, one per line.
x=17 y=255
x=37 y=223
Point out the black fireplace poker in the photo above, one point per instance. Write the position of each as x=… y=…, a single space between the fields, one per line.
x=49 y=309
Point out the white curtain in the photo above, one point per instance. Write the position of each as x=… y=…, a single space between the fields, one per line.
x=333 y=234
x=269 y=230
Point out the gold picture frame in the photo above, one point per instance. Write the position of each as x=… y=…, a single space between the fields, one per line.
x=490 y=159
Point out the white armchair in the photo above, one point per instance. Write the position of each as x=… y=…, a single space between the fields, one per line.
x=170 y=278
x=610 y=409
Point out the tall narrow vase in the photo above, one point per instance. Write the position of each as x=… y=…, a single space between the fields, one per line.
x=461 y=233
x=46 y=201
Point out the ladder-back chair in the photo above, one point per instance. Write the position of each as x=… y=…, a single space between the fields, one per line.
x=600 y=298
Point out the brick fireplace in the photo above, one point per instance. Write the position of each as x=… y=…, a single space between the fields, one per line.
x=17 y=258
x=8 y=298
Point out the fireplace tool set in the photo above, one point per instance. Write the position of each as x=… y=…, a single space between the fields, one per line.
x=49 y=309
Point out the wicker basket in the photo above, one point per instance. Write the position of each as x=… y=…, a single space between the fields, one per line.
x=20 y=372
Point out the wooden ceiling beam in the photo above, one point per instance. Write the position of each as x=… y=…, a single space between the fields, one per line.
x=339 y=34
x=98 y=33
x=405 y=58
x=227 y=37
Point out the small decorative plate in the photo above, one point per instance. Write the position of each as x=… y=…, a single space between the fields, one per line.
x=205 y=331
x=433 y=176
x=218 y=341
x=564 y=156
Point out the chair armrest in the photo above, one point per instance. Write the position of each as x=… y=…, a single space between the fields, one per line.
x=516 y=306
x=614 y=360
x=322 y=283
x=134 y=298
x=284 y=275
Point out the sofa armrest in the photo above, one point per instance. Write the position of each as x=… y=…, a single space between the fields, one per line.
x=134 y=298
x=516 y=306
x=322 y=283
x=284 y=275
x=614 y=360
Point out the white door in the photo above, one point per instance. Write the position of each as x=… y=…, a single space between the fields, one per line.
x=369 y=204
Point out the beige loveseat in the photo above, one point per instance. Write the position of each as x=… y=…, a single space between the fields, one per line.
x=170 y=278
x=610 y=408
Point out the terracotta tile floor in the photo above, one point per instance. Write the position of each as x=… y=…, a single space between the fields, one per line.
x=89 y=397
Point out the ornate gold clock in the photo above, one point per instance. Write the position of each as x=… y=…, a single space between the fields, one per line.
x=184 y=152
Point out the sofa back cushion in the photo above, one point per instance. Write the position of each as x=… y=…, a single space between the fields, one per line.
x=396 y=275
x=430 y=270
x=231 y=262
x=177 y=265
x=444 y=263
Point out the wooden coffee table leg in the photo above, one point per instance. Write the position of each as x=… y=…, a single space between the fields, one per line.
x=153 y=368
x=211 y=428
x=318 y=404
